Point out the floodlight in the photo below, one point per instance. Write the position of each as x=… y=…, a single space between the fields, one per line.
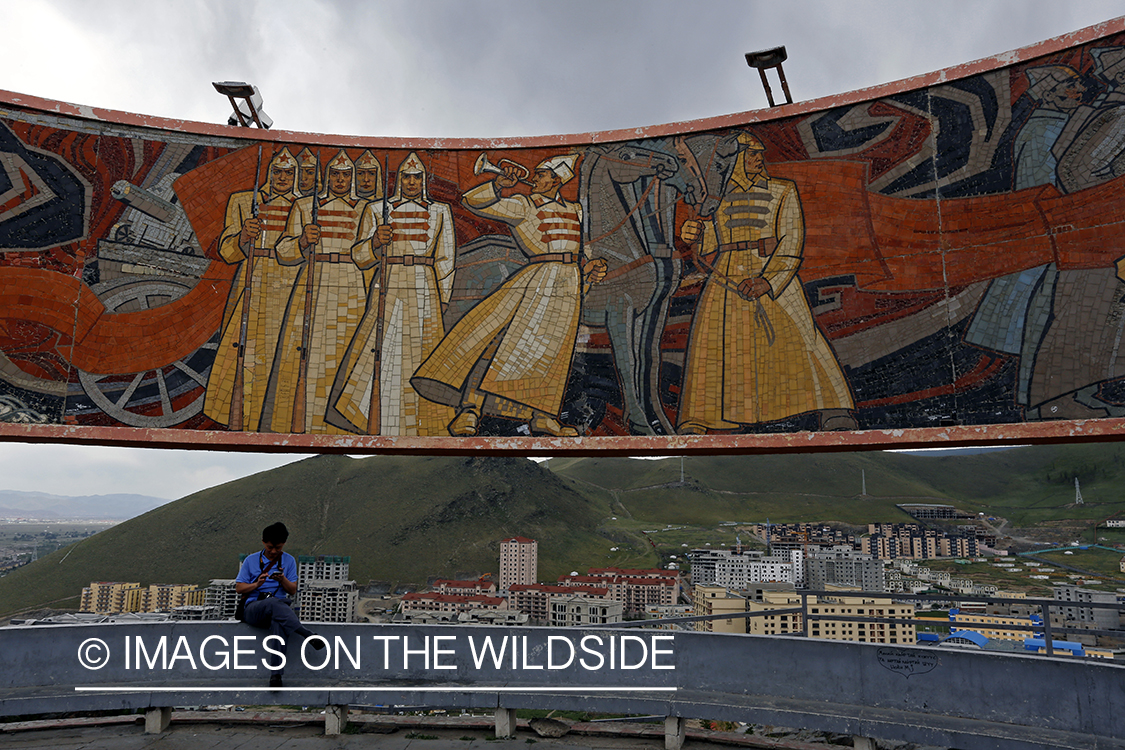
x=249 y=109
x=765 y=59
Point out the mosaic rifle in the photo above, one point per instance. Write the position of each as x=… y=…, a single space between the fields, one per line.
x=374 y=414
x=237 y=407
x=299 y=399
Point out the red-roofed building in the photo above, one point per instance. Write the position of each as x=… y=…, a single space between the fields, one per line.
x=535 y=598
x=484 y=586
x=434 y=602
x=635 y=589
x=519 y=562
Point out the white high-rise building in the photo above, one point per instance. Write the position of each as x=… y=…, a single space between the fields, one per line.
x=519 y=563
x=737 y=570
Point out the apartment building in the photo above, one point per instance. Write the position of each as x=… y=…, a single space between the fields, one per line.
x=221 y=597
x=775 y=623
x=485 y=586
x=328 y=601
x=536 y=598
x=1100 y=618
x=111 y=597
x=519 y=563
x=995 y=627
x=719 y=600
x=105 y=597
x=864 y=632
x=843 y=566
x=323 y=567
x=635 y=588
x=434 y=602
x=738 y=569
x=573 y=610
x=888 y=541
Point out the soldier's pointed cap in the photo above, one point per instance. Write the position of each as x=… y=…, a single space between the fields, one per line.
x=747 y=141
x=367 y=160
x=562 y=166
x=341 y=161
x=283 y=160
x=412 y=164
x=306 y=158
x=1108 y=61
x=1044 y=78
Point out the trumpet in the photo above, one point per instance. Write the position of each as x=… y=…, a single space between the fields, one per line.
x=482 y=164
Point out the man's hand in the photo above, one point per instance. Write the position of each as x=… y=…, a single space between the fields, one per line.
x=251 y=230
x=310 y=235
x=595 y=270
x=383 y=235
x=754 y=288
x=691 y=231
x=509 y=178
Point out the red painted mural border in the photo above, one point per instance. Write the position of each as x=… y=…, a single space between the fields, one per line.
x=964 y=70
x=1062 y=431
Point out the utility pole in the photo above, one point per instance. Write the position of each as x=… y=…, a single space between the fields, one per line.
x=1077 y=493
x=863 y=478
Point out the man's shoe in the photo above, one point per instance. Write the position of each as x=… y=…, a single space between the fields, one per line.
x=692 y=428
x=275 y=681
x=541 y=424
x=464 y=425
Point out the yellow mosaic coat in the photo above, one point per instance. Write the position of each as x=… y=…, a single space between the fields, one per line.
x=532 y=316
x=339 y=292
x=758 y=360
x=270 y=286
x=412 y=319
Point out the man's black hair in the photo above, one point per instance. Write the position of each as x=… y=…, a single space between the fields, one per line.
x=275 y=533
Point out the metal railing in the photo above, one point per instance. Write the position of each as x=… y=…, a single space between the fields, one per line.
x=828 y=597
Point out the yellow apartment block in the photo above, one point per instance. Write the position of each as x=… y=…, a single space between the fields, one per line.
x=106 y=597
x=715 y=600
x=718 y=600
x=864 y=632
x=112 y=597
x=993 y=626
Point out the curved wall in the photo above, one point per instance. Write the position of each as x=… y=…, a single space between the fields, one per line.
x=937 y=259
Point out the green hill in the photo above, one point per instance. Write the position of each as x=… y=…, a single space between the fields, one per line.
x=400 y=519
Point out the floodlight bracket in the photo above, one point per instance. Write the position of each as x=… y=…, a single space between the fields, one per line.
x=766 y=59
x=249 y=109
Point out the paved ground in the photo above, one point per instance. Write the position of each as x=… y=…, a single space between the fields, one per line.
x=192 y=730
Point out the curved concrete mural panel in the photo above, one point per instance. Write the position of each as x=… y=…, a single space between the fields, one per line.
x=939 y=253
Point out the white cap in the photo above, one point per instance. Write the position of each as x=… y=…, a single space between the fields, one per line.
x=562 y=166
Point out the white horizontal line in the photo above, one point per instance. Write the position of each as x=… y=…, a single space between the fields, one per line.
x=367 y=689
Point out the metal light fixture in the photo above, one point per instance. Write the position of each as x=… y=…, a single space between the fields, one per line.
x=765 y=59
x=249 y=109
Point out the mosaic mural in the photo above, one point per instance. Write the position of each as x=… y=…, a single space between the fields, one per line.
x=947 y=255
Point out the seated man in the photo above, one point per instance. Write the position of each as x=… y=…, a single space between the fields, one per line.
x=270 y=578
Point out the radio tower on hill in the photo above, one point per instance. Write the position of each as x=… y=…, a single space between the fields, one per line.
x=1077 y=493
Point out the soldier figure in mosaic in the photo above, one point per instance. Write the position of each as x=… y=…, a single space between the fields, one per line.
x=510 y=355
x=417 y=245
x=269 y=288
x=755 y=353
x=369 y=177
x=326 y=304
x=306 y=172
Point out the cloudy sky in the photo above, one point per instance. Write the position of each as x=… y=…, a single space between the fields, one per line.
x=470 y=68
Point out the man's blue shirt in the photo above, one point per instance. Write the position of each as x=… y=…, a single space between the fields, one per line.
x=252 y=568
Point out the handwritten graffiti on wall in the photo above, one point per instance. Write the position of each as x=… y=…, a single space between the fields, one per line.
x=947 y=255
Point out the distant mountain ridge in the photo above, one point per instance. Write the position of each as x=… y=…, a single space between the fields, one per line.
x=40 y=505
